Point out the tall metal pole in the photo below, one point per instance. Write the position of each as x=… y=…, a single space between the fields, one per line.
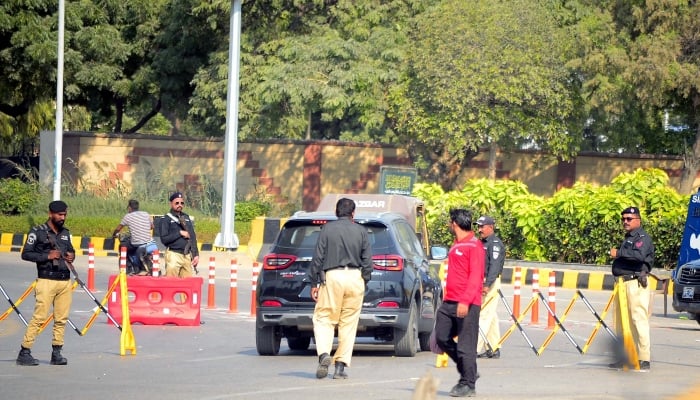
x=227 y=238
x=58 y=150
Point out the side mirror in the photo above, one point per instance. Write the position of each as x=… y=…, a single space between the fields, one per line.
x=438 y=252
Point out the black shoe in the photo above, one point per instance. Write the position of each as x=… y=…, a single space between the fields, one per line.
x=25 y=358
x=56 y=357
x=324 y=360
x=617 y=365
x=340 y=371
x=644 y=365
x=490 y=354
x=462 y=390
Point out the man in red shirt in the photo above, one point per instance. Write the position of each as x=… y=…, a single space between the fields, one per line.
x=459 y=313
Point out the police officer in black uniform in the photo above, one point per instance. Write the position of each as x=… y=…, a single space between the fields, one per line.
x=178 y=235
x=49 y=246
x=633 y=261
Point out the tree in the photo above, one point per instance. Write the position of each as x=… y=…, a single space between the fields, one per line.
x=640 y=64
x=483 y=72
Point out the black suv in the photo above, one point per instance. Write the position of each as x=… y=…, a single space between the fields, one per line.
x=401 y=299
x=686 y=289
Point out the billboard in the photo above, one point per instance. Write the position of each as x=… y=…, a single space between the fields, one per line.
x=396 y=180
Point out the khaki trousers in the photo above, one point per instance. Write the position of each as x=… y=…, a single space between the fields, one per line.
x=48 y=293
x=339 y=304
x=488 y=319
x=177 y=265
x=638 y=313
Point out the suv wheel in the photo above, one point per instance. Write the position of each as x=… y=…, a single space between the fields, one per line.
x=301 y=343
x=267 y=341
x=406 y=341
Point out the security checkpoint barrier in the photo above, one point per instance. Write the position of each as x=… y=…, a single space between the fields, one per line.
x=160 y=301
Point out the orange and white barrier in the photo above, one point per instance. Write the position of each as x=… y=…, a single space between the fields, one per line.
x=516 y=291
x=535 y=290
x=211 y=287
x=156 y=263
x=552 y=298
x=122 y=259
x=91 y=267
x=254 y=287
x=233 y=291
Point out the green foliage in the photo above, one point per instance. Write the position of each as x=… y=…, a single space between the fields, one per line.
x=576 y=225
x=16 y=196
x=247 y=211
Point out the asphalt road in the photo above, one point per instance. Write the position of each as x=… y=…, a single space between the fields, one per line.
x=218 y=360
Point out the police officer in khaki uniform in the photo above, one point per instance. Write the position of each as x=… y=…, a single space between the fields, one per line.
x=49 y=246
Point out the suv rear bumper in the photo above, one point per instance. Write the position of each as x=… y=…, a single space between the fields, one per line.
x=303 y=320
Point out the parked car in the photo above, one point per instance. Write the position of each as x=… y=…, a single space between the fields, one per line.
x=401 y=299
x=686 y=289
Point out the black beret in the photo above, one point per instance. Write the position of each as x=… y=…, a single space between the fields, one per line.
x=58 y=206
x=176 y=195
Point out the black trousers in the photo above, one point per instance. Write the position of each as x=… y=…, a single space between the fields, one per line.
x=462 y=352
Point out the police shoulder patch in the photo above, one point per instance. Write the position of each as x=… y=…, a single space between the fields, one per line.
x=31 y=238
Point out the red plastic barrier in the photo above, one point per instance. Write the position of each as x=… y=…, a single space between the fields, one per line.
x=159 y=301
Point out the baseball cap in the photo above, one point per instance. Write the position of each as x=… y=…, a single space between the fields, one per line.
x=630 y=210
x=485 y=220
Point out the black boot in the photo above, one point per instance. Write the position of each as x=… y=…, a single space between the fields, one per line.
x=25 y=357
x=56 y=357
x=340 y=371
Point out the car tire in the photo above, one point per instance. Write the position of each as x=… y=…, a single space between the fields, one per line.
x=406 y=340
x=301 y=343
x=267 y=341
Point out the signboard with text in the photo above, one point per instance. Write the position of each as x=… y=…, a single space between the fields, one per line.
x=396 y=180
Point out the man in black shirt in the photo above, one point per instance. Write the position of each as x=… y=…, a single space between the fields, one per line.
x=340 y=268
x=495 y=258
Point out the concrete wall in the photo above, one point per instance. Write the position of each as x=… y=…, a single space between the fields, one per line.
x=297 y=172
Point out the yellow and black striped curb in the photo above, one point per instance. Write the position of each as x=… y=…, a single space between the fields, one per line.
x=13 y=242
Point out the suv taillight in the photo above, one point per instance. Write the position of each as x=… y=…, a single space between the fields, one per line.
x=278 y=261
x=388 y=262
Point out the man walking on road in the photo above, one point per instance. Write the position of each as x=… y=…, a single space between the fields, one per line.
x=340 y=268
x=459 y=313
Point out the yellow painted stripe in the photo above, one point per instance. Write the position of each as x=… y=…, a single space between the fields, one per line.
x=6 y=239
x=595 y=280
x=570 y=279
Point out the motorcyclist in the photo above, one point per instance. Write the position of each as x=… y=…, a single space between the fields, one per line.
x=140 y=242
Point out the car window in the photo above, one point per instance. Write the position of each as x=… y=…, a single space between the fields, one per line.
x=298 y=240
x=407 y=239
x=379 y=239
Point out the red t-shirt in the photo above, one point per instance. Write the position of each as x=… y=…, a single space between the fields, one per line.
x=465 y=273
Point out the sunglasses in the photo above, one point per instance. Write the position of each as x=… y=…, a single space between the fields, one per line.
x=627 y=219
x=179 y=202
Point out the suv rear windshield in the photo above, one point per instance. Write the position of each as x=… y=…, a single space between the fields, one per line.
x=299 y=238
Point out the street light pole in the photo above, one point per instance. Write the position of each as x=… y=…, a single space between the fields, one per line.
x=58 y=145
x=227 y=238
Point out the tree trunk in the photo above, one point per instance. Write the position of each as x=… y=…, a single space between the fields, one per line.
x=493 y=158
x=691 y=159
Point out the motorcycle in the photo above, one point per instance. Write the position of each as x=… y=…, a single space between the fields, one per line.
x=139 y=260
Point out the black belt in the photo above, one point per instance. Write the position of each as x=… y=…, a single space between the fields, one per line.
x=626 y=278
x=345 y=267
x=62 y=275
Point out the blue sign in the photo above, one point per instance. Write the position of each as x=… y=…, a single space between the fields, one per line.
x=690 y=246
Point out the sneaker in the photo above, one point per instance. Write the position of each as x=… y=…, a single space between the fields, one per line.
x=644 y=365
x=324 y=360
x=462 y=390
x=490 y=354
x=340 y=371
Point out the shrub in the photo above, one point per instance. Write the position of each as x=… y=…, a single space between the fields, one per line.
x=16 y=196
